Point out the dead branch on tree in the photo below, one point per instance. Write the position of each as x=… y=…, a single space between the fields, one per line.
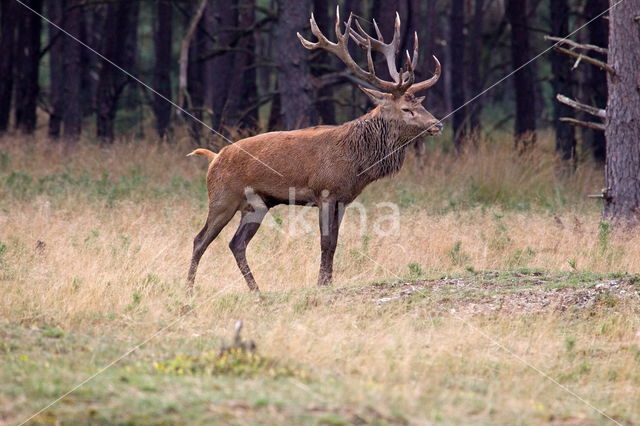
x=587 y=124
x=574 y=45
x=604 y=194
x=598 y=112
x=588 y=59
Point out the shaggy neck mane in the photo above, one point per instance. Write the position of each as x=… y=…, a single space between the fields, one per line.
x=376 y=144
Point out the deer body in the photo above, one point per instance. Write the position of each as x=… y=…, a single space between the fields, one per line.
x=322 y=166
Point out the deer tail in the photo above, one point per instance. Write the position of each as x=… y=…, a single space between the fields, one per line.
x=204 y=153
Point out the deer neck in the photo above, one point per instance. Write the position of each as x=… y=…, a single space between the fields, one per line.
x=377 y=145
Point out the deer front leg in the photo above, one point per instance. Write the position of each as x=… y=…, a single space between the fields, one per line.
x=331 y=213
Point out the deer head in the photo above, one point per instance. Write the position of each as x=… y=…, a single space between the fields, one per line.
x=396 y=99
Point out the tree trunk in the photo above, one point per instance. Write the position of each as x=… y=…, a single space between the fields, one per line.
x=65 y=69
x=352 y=6
x=418 y=21
x=475 y=79
x=456 y=43
x=294 y=79
x=8 y=16
x=241 y=103
x=426 y=28
x=561 y=82
x=118 y=47
x=264 y=80
x=94 y=17
x=410 y=22
x=597 y=86
x=56 y=67
x=622 y=198
x=27 y=66
x=162 y=36
x=196 y=83
x=524 y=79
x=238 y=97
x=275 y=119
x=221 y=17
x=72 y=94
x=436 y=96
x=323 y=63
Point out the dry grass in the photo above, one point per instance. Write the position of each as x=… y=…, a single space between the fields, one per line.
x=116 y=225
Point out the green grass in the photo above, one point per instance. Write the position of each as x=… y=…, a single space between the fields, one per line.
x=491 y=178
x=180 y=379
x=151 y=385
x=133 y=185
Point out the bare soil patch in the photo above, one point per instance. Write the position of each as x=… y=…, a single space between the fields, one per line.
x=516 y=293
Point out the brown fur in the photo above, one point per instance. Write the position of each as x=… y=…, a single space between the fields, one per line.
x=324 y=166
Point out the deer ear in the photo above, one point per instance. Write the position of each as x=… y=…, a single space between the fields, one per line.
x=377 y=97
x=420 y=99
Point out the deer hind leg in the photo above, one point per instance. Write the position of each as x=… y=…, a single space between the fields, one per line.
x=249 y=224
x=219 y=216
x=331 y=214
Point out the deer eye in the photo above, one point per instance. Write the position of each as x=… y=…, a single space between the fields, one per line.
x=407 y=110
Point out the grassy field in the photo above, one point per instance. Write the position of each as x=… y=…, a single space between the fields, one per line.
x=500 y=273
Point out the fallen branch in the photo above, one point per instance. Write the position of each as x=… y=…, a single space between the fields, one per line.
x=587 y=124
x=582 y=107
x=586 y=58
x=574 y=45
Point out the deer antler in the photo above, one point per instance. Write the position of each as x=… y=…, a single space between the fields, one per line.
x=390 y=50
x=340 y=49
x=403 y=81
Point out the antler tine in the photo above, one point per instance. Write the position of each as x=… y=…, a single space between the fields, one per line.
x=338 y=32
x=347 y=32
x=430 y=82
x=404 y=85
x=414 y=61
x=378 y=32
x=361 y=36
x=410 y=66
x=322 y=40
x=365 y=43
x=396 y=34
x=359 y=39
x=370 y=65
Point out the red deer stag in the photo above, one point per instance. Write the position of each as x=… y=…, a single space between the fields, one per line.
x=323 y=166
